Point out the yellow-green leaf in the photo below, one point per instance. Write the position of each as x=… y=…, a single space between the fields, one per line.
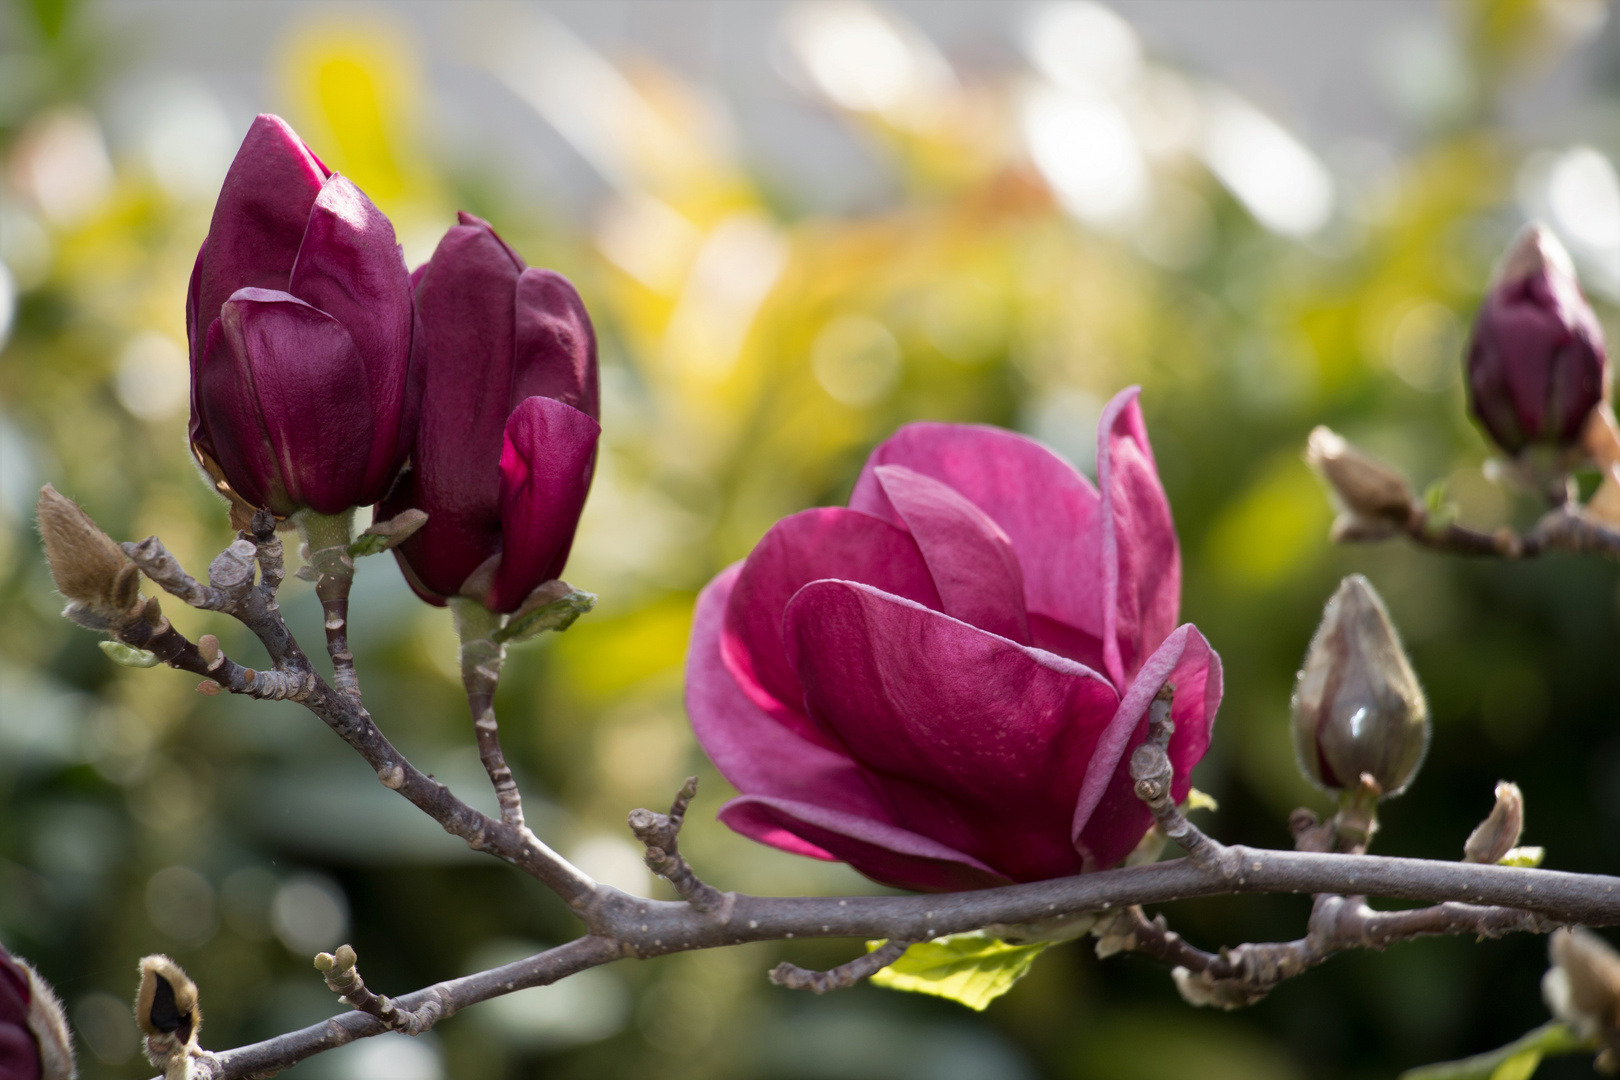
x=1523 y=856
x=1199 y=800
x=973 y=969
x=1518 y=1067
x=127 y=655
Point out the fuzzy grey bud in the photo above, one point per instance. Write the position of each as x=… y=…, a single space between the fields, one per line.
x=1499 y=833
x=101 y=583
x=1357 y=705
x=1373 y=494
x=1582 y=988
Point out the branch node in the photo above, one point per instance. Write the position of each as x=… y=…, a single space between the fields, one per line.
x=343 y=979
x=1154 y=776
x=660 y=833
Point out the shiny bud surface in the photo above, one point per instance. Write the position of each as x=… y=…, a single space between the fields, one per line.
x=1357 y=705
x=1536 y=364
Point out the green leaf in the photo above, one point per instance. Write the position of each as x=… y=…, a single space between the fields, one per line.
x=973 y=969
x=556 y=615
x=1518 y=1067
x=1516 y=1061
x=1199 y=800
x=386 y=534
x=119 y=653
x=1523 y=856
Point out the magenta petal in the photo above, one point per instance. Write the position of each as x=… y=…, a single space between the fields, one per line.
x=972 y=740
x=259 y=220
x=350 y=267
x=829 y=542
x=1046 y=508
x=1141 y=561
x=554 y=345
x=310 y=386
x=883 y=852
x=1109 y=819
x=970 y=559
x=752 y=751
x=545 y=475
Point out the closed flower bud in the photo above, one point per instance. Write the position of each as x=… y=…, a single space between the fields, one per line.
x=1357 y=706
x=1374 y=495
x=1582 y=988
x=167 y=1012
x=1536 y=362
x=34 y=1039
x=507 y=441
x=99 y=580
x=1499 y=833
x=300 y=325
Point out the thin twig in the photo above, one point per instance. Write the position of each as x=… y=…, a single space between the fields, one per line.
x=660 y=833
x=841 y=977
x=1563 y=529
x=342 y=973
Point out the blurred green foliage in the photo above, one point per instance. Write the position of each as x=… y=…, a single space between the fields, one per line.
x=752 y=355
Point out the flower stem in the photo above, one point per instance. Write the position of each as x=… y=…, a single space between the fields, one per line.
x=329 y=537
x=481 y=660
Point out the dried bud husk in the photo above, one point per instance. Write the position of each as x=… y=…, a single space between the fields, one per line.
x=167 y=1011
x=1374 y=494
x=1202 y=990
x=101 y=583
x=1499 y=833
x=1582 y=988
x=1357 y=706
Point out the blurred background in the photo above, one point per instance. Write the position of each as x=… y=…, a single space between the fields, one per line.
x=797 y=227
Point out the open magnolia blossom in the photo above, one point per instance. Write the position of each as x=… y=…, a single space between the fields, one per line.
x=941 y=684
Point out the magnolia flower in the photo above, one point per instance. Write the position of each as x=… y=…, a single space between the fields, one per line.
x=941 y=684
x=299 y=321
x=507 y=441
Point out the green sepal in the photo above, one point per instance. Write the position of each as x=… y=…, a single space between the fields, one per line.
x=127 y=655
x=971 y=969
x=386 y=534
x=558 y=614
x=1523 y=856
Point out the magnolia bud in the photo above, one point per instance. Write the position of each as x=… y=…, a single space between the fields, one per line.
x=1374 y=495
x=1582 y=988
x=101 y=583
x=1499 y=833
x=167 y=1011
x=1357 y=706
x=1536 y=365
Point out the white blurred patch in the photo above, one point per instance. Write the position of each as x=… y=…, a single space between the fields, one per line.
x=1423 y=70
x=1066 y=421
x=582 y=1008
x=1082 y=46
x=1273 y=174
x=649 y=240
x=107 y=1027
x=61 y=162
x=856 y=360
x=865 y=59
x=310 y=914
x=180 y=903
x=392 y=1056
x=154 y=379
x=615 y=861
x=1578 y=193
x=1083 y=145
x=8 y=303
x=185 y=138
x=731 y=277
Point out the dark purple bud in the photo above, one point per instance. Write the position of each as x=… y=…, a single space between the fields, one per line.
x=300 y=320
x=506 y=445
x=34 y=1039
x=1536 y=362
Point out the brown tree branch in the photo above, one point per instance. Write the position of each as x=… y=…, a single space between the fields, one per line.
x=841 y=977
x=342 y=972
x=660 y=834
x=1563 y=529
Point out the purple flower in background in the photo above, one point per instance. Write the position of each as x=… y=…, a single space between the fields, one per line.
x=942 y=683
x=507 y=440
x=1536 y=365
x=34 y=1039
x=300 y=326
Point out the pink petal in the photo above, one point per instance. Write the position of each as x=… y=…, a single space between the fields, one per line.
x=753 y=752
x=350 y=267
x=1046 y=508
x=883 y=852
x=554 y=346
x=829 y=542
x=970 y=559
x=1109 y=819
x=546 y=466
x=260 y=217
x=1140 y=559
x=290 y=414
x=971 y=739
